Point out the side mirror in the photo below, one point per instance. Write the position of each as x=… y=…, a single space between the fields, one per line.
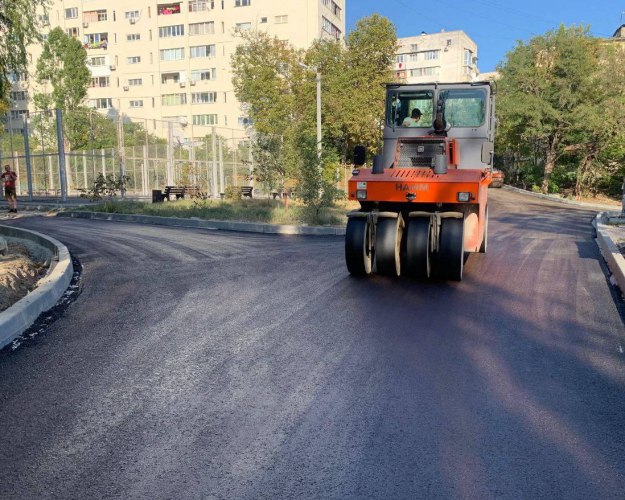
x=488 y=148
x=360 y=155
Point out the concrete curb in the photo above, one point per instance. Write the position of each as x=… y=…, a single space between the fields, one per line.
x=611 y=253
x=564 y=201
x=246 y=227
x=17 y=318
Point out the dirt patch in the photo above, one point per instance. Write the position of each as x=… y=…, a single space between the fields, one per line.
x=19 y=273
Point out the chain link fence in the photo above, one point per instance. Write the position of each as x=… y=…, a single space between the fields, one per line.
x=57 y=154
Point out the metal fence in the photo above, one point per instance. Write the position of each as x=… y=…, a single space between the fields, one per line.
x=57 y=154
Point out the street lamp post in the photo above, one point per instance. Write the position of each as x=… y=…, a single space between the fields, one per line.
x=318 y=80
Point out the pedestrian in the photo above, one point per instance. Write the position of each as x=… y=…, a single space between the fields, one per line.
x=9 y=177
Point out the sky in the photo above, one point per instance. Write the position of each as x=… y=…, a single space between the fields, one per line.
x=494 y=25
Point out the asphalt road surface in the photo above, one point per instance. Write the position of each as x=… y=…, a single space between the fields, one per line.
x=205 y=364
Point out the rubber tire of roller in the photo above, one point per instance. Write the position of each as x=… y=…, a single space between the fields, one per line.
x=357 y=256
x=484 y=245
x=388 y=234
x=417 y=263
x=450 y=259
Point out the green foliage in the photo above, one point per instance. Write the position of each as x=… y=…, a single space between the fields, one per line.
x=63 y=66
x=267 y=211
x=18 y=29
x=561 y=109
x=105 y=187
x=279 y=95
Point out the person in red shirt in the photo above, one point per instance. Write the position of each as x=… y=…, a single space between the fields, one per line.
x=8 y=178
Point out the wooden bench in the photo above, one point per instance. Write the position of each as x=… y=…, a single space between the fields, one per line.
x=247 y=191
x=177 y=191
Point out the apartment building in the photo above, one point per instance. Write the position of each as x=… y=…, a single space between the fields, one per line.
x=170 y=60
x=448 y=56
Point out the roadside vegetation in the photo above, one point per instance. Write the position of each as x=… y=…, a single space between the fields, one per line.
x=561 y=114
x=267 y=211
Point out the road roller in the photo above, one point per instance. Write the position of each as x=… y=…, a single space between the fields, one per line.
x=423 y=201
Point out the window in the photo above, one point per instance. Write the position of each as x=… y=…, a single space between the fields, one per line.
x=172 y=54
x=430 y=55
x=400 y=106
x=171 y=31
x=333 y=6
x=96 y=41
x=136 y=104
x=133 y=59
x=329 y=28
x=173 y=99
x=19 y=114
x=413 y=57
x=131 y=14
x=97 y=61
x=133 y=37
x=73 y=32
x=43 y=19
x=243 y=26
x=202 y=51
x=282 y=19
x=100 y=81
x=400 y=58
x=19 y=95
x=468 y=56
x=204 y=119
x=449 y=42
x=168 y=9
x=104 y=103
x=464 y=107
x=263 y=20
x=203 y=74
x=170 y=77
x=207 y=28
x=198 y=5
x=94 y=16
x=242 y=3
x=71 y=13
x=17 y=77
x=414 y=47
x=203 y=97
x=135 y=82
x=428 y=71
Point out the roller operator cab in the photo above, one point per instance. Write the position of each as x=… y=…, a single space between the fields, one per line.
x=424 y=201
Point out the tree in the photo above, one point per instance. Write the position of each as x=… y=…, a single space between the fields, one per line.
x=62 y=70
x=546 y=85
x=18 y=29
x=279 y=95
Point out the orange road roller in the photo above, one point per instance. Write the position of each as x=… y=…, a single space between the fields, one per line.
x=423 y=204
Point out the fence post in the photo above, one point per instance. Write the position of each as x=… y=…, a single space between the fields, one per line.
x=144 y=171
x=214 y=169
x=221 y=167
x=29 y=174
x=84 y=169
x=16 y=166
x=61 y=148
x=170 y=153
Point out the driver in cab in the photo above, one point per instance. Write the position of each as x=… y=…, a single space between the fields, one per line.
x=413 y=119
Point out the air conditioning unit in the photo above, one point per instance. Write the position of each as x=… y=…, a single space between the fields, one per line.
x=126 y=88
x=133 y=20
x=112 y=67
x=192 y=83
x=182 y=85
x=85 y=25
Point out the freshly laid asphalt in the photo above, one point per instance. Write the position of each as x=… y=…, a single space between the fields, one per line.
x=206 y=364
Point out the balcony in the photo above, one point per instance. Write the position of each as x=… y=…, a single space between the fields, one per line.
x=168 y=9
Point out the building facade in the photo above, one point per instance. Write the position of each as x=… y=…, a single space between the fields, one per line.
x=448 y=56
x=170 y=60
